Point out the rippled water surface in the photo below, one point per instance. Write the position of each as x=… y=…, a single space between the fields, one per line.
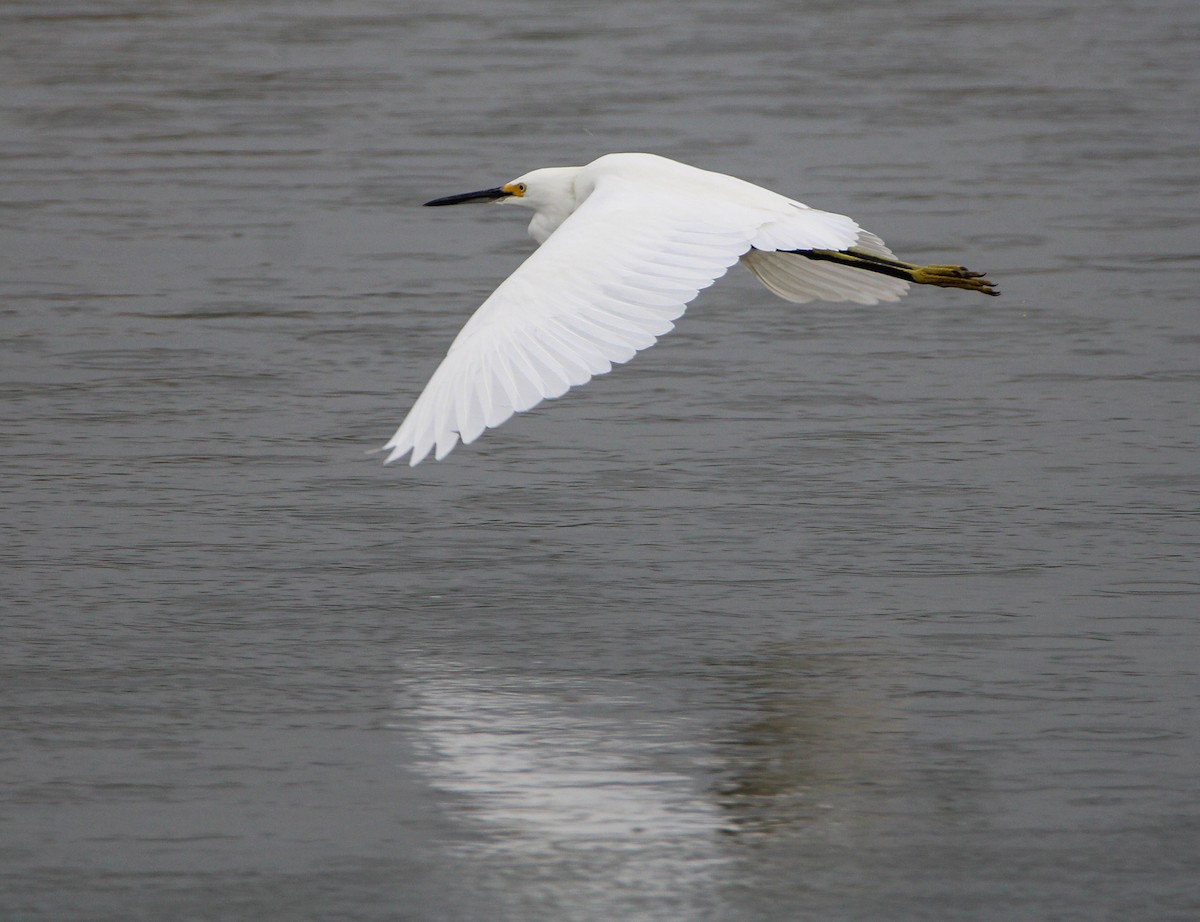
x=825 y=612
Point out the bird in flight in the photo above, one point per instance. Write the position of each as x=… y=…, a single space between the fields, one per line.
x=626 y=243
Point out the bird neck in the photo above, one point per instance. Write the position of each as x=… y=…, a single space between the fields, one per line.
x=554 y=196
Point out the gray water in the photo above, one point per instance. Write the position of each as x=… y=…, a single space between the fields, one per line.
x=820 y=613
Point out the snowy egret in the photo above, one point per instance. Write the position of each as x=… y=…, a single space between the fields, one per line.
x=626 y=243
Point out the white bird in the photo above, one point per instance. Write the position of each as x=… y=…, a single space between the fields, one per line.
x=626 y=243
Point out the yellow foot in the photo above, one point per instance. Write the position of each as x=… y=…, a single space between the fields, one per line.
x=942 y=276
x=953 y=277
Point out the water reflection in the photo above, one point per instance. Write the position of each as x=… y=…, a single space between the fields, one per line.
x=551 y=766
x=814 y=739
x=547 y=761
x=570 y=786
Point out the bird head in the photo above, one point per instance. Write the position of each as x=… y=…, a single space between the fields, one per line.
x=550 y=187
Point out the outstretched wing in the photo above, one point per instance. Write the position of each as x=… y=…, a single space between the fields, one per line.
x=609 y=281
x=606 y=284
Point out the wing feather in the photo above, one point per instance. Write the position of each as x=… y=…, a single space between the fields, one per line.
x=590 y=297
x=798 y=279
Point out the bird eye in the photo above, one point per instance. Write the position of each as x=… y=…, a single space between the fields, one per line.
x=521 y=187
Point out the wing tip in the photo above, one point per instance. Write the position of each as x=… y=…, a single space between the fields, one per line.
x=395 y=452
x=398 y=450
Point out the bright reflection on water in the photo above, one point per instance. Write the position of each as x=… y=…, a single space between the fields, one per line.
x=605 y=797
x=547 y=769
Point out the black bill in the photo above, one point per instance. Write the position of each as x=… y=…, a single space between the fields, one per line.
x=483 y=195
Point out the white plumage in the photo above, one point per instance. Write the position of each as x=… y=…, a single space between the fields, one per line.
x=626 y=243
